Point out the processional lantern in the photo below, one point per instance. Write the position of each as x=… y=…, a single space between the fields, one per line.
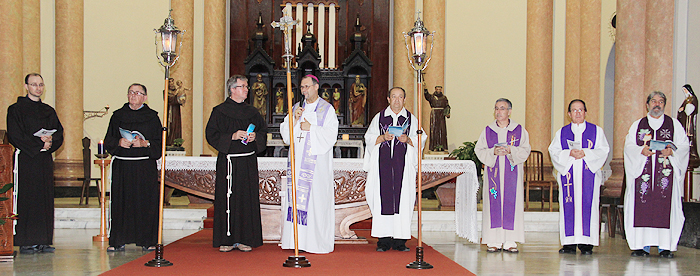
x=418 y=57
x=168 y=43
x=168 y=56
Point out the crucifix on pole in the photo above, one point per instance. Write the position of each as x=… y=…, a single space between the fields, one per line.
x=285 y=24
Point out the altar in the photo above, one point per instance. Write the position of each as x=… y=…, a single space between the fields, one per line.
x=197 y=176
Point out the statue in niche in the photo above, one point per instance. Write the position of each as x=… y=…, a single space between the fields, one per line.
x=440 y=110
x=687 y=115
x=326 y=95
x=336 y=100
x=279 y=95
x=358 y=99
x=177 y=96
x=259 y=89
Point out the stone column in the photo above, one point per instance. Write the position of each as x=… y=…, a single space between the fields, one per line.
x=538 y=76
x=658 y=69
x=589 y=84
x=68 y=164
x=629 y=82
x=214 y=66
x=434 y=12
x=11 y=78
x=183 y=14
x=31 y=29
x=404 y=16
x=572 y=66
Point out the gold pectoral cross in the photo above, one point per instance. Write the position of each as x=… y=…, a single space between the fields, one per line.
x=568 y=189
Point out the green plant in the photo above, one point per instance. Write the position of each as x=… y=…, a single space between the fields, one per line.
x=3 y=190
x=466 y=152
x=178 y=142
x=439 y=148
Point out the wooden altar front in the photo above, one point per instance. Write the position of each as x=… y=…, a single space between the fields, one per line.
x=197 y=176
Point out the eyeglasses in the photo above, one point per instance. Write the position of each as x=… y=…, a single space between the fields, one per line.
x=35 y=85
x=577 y=111
x=501 y=108
x=136 y=93
x=305 y=87
x=244 y=86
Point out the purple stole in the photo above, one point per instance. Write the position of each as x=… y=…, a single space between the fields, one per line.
x=503 y=215
x=391 y=166
x=306 y=170
x=588 y=140
x=652 y=200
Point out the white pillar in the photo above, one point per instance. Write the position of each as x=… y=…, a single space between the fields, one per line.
x=309 y=17
x=321 y=33
x=331 y=36
x=300 y=27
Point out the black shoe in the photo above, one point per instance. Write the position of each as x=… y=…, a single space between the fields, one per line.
x=666 y=254
x=116 y=248
x=382 y=249
x=639 y=253
x=402 y=248
x=566 y=250
x=29 y=249
x=148 y=248
x=46 y=248
x=587 y=252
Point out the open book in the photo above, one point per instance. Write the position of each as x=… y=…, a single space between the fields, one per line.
x=44 y=132
x=398 y=130
x=250 y=130
x=661 y=145
x=131 y=135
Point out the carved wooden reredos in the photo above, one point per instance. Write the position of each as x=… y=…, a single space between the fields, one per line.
x=346 y=38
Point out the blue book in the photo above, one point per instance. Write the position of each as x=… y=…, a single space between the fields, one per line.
x=250 y=130
x=131 y=135
x=397 y=130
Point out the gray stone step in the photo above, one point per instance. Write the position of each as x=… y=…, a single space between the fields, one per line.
x=86 y=218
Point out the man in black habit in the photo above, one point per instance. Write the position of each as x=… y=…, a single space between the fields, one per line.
x=34 y=177
x=236 y=199
x=135 y=191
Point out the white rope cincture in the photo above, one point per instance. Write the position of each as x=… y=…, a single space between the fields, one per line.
x=15 y=171
x=229 y=178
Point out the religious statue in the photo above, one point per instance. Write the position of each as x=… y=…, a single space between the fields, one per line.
x=177 y=96
x=326 y=95
x=687 y=115
x=336 y=100
x=279 y=95
x=440 y=109
x=358 y=99
x=259 y=89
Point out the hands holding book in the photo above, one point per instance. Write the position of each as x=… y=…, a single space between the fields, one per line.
x=137 y=142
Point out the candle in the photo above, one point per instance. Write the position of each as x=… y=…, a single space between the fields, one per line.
x=346 y=136
x=101 y=147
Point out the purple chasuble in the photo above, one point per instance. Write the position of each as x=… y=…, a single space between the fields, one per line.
x=306 y=170
x=391 y=166
x=588 y=182
x=652 y=197
x=503 y=210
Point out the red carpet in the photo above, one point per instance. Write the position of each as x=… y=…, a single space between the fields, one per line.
x=194 y=255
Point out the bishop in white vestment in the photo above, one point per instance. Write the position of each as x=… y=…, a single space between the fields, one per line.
x=653 y=207
x=578 y=152
x=391 y=160
x=315 y=133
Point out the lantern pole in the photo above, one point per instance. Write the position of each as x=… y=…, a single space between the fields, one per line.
x=285 y=24
x=168 y=33
x=419 y=58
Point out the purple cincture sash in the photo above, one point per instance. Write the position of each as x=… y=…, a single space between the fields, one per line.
x=588 y=140
x=652 y=197
x=391 y=165
x=503 y=211
x=306 y=170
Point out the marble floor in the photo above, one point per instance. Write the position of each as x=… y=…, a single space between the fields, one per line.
x=76 y=254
